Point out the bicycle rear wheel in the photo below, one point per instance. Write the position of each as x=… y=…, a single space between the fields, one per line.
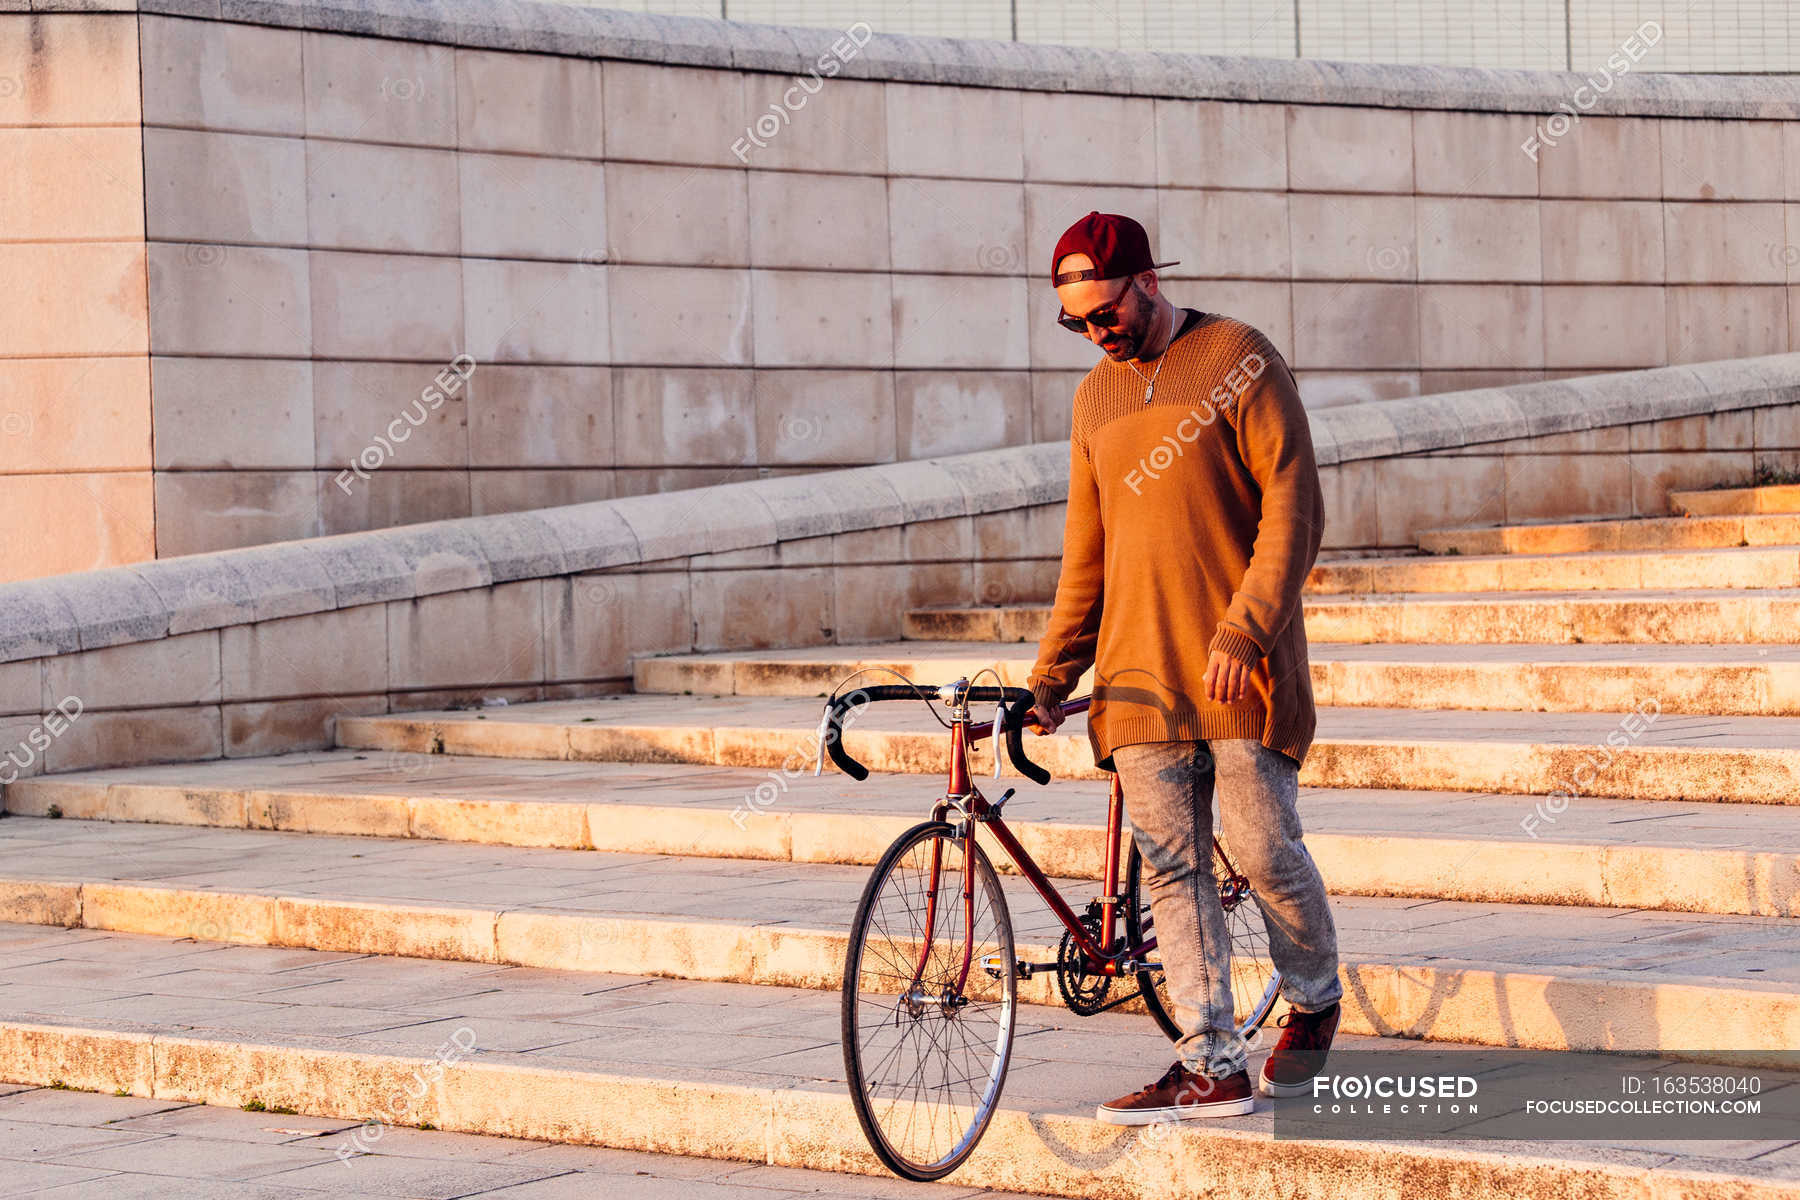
x=1255 y=982
x=926 y=1050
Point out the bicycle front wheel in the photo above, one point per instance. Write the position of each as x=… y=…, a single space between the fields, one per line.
x=1255 y=983
x=926 y=1043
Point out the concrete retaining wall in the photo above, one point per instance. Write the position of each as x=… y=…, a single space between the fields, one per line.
x=257 y=258
x=256 y=650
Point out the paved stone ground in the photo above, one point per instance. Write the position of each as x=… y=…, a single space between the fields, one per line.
x=1651 y=595
x=1413 y=813
x=1751 y=952
x=619 y=1024
x=944 y=655
x=65 y=1145
x=1373 y=724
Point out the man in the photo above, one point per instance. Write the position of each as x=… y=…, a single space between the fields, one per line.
x=1194 y=516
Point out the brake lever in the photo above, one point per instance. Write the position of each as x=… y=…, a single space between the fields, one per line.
x=819 y=754
x=999 y=723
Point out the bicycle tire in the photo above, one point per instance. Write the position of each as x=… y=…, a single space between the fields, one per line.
x=1254 y=991
x=894 y=1142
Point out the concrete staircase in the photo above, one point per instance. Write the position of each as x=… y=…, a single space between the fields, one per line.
x=1551 y=793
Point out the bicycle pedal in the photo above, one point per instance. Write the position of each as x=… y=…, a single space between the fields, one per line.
x=1024 y=970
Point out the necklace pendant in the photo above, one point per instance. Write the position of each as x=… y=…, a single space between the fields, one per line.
x=1148 y=388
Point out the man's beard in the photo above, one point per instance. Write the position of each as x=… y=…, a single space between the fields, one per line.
x=1129 y=341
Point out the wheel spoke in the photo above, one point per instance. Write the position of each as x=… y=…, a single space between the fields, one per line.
x=1254 y=980
x=926 y=1064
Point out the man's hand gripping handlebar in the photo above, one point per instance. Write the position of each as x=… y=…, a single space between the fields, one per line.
x=1047 y=719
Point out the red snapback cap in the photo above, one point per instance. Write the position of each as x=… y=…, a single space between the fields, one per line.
x=1117 y=246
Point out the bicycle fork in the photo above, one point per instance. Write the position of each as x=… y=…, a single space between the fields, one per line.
x=915 y=998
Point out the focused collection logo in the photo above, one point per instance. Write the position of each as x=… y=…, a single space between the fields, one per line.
x=1390 y=1094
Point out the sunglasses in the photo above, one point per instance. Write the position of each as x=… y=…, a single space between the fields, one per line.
x=1104 y=317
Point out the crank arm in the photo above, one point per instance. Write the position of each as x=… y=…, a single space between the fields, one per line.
x=1021 y=968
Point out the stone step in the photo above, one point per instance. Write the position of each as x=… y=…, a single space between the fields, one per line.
x=63 y=1144
x=1713 y=987
x=1695 y=616
x=1635 y=533
x=1745 y=760
x=1457 y=846
x=726 y=1072
x=1721 y=680
x=1596 y=570
x=1771 y=498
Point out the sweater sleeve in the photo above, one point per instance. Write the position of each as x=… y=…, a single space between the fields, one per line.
x=1067 y=649
x=1275 y=441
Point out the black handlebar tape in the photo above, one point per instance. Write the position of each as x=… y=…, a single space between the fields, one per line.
x=834 y=741
x=1020 y=699
x=834 y=729
x=994 y=695
x=1015 y=739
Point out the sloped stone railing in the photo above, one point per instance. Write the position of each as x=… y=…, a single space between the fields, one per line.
x=256 y=650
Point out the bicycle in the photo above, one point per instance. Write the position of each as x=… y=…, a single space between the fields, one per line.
x=911 y=993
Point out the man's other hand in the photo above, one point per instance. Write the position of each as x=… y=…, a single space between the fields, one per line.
x=1225 y=677
x=1047 y=718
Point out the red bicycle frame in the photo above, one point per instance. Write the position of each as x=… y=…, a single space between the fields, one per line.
x=962 y=794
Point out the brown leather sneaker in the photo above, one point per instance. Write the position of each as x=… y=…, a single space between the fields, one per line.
x=1179 y=1095
x=1300 y=1054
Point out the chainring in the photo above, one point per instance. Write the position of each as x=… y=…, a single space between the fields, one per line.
x=1082 y=991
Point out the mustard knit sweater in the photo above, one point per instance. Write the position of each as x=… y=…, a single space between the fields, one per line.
x=1193 y=521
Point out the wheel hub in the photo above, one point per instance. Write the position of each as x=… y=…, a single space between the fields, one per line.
x=918 y=1002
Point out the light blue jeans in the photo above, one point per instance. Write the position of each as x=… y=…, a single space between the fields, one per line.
x=1168 y=796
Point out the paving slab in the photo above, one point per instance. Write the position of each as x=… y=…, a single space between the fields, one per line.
x=1741 y=859
x=705 y=712
x=582 y=1107
x=1644 y=755
x=1715 y=679
x=945 y=655
x=1589 y=570
x=1641 y=533
x=150 y=1148
x=1752 y=615
x=1771 y=498
x=1538 y=975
